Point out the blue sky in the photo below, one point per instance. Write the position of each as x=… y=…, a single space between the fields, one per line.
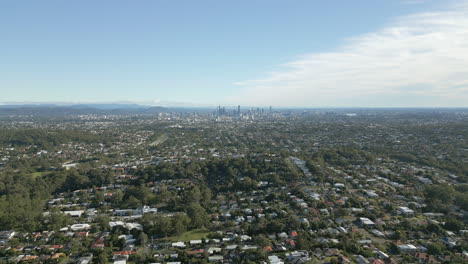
x=252 y=52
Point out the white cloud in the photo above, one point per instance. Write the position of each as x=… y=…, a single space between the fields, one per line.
x=414 y=2
x=420 y=60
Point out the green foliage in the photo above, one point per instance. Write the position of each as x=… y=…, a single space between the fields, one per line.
x=46 y=139
x=440 y=197
x=142 y=239
x=198 y=216
x=435 y=248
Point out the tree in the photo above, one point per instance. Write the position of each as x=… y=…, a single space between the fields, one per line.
x=133 y=202
x=193 y=195
x=117 y=197
x=262 y=241
x=434 y=228
x=102 y=258
x=180 y=223
x=98 y=197
x=442 y=193
x=158 y=225
x=56 y=220
x=400 y=235
x=102 y=222
x=453 y=225
x=198 y=216
x=434 y=249
x=206 y=196
x=142 y=239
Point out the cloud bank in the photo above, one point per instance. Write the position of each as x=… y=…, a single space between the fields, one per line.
x=419 y=60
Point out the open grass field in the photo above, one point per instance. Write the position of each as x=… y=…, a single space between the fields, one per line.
x=38 y=173
x=191 y=235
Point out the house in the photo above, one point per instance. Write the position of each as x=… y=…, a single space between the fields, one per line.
x=332 y=252
x=275 y=260
x=213 y=250
x=290 y=243
x=122 y=254
x=318 y=252
x=249 y=247
x=245 y=238
x=377 y=233
x=298 y=256
x=216 y=258
x=343 y=259
x=74 y=214
x=366 y=222
x=403 y=210
x=371 y=194
x=131 y=226
x=197 y=252
x=129 y=240
x=360 y=259
x=282 y=235
x=58 y=255
x=98 y=245
x=56 y=247
x=268 y=249
x=231 y=247
x=448 y=241
x=407 y=248
x=80 y=227
x=381 y=254
x=293 y=234
x=195 y=242
x=28 y=258
x=85 y=260
x=178 y=245
x=5 y=236
x=81 y=234
x=304 y=221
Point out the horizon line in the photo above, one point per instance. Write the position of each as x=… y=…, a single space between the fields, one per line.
x=191 y=105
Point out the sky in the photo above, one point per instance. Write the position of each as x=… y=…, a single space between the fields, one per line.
x=288 y=53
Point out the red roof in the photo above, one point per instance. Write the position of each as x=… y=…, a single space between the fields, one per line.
x=293 y=233
x=124 y=253
x=56 y=246
x=194 y=252
x=268 y=249
x=98 y=245
x=26 y=258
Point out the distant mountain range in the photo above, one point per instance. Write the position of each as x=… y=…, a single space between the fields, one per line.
x=79 y=109
x=108 y=106
x=58 y=110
